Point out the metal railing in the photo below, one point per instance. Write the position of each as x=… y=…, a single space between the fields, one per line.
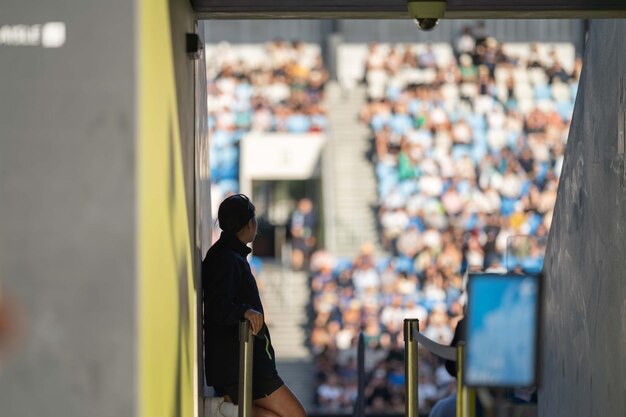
x=465 y=397
x=411 y=367
x=246 y=344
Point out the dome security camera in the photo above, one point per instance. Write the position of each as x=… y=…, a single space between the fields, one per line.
x=427 y=23
x=426 y=13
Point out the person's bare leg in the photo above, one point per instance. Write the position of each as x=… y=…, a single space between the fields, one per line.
x=297 y=259
x=258 y=411
x=283 y=403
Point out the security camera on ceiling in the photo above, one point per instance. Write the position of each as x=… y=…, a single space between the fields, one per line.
x=426 y=13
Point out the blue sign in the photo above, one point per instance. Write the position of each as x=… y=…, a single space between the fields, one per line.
x=502 y=330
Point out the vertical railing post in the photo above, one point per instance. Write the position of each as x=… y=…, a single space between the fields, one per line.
x=411 y=371
x=459 y=379
x=465 y=396
x=470 y=396
x=246 y=342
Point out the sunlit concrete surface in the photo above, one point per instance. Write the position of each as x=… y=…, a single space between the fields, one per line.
x=584 y=338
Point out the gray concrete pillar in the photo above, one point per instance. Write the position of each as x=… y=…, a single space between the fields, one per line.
x=98 y=214
x=584 y=322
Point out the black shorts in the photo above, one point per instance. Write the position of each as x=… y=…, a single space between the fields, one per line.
x=261 y=387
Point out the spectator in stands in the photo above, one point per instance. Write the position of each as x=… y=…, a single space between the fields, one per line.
x=466 y=43
x=330 y=395
x=427 y=57
x=557 y=72
x=303 y=229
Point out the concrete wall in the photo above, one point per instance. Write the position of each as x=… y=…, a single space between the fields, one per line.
x=100 y=226
x=168 y=272
x=183 y=22
x=191 y=95
x=67 y=210
x=584 y=338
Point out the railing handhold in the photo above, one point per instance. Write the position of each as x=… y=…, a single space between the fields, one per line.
x=443 y=351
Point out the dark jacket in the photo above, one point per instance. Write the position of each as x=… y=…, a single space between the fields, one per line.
x=229 y=290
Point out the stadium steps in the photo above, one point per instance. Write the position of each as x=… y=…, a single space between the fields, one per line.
x=348 y=176
x=285 y=295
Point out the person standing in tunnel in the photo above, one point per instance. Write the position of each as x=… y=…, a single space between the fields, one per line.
x=231 y=294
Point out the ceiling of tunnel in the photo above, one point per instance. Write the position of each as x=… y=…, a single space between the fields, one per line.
x=397 y=9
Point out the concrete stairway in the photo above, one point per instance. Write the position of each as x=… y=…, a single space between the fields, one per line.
x=348 y=176
x=285 y=296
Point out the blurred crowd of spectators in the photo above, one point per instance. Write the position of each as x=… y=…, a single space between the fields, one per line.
x=468 y=157
x=375 y=295
x=278 y=87
x=467 y=153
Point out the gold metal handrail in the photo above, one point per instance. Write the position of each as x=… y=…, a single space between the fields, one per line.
x=246 y=344
x=411 y=368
